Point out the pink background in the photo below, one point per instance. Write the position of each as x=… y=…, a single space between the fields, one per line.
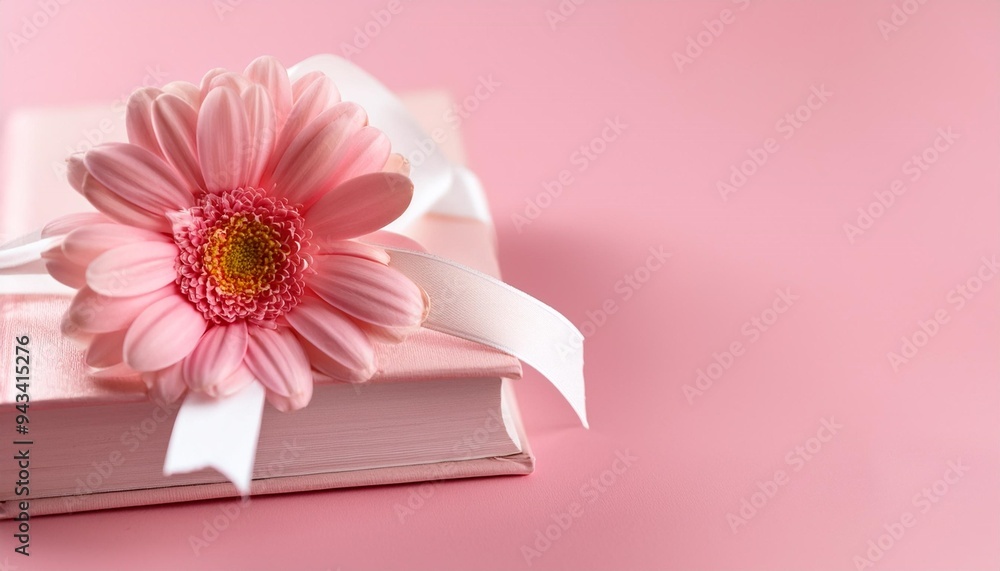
x=655 y=185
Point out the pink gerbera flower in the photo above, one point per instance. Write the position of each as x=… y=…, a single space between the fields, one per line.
x=225 y=249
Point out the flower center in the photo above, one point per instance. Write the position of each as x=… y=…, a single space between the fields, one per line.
x=243 y=255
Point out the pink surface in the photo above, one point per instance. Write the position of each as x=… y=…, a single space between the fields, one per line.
x=673 y=471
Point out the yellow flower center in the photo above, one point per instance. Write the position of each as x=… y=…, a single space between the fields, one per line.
x=243 y=255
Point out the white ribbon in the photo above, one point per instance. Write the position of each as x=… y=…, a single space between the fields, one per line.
x=208 y=428
x=474 y=306
x=24 y=255
x=222 y=433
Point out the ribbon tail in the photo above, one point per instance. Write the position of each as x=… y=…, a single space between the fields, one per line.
x=218 y=433
x=474 y=306
x=24 y=255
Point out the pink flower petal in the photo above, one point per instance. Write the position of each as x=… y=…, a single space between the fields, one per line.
x=262 y=128
x=333 y=333
x=121 y=210
x=66 y=224
x=301 y=84
x=138 y=176
x=397 y=163
x=283 y=404
x=76 y=171
x=91 y=312
x=392 y=240
x=163 y=334
x=277 y=360
x=332 y=368
x=166 y=385
x=312 y=160
x=105 y=349
x=206 y=81
x=366 y=151
x=360 y=206
x=356 y=249
x=307 y=108
x=189 y=92
x=139 y=119
x=223 y=131
x=133 y=269
x=64 y=270
x=84 y=244
x=106 y=201
x=176 y=124
x=391 y=335
x=80 y=337
x=369 y=292
x=273 y=76
x=230 y=80
x=232 y=384
x=218 y=355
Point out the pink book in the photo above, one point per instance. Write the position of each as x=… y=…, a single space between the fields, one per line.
x=439 y=407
